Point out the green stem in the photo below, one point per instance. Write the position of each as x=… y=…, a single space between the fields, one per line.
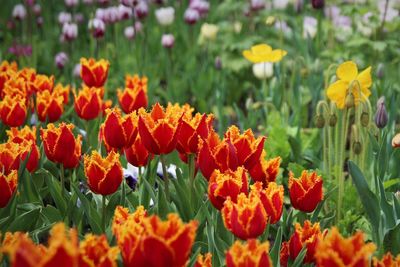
x=62 y=178
x=165 y=176
x=103 y=215
x=265 y=92
x=192 y=177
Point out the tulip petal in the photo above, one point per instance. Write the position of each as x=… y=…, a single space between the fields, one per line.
x=147 y=138
x=157 y=252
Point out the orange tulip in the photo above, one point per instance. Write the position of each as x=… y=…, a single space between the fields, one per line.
x=60 y=145
x=104 y=174
x=137 y=154
x=216 y=154
x=119 y=132
x=227 y=184
x=5 y=65
x=94 y=73
x=42 y=83
x=203 y=260
x=246 y=218
x=17 y=86
x=249 y=254
x=8 y=184
x=59 y=89
x=88 y=103
x=49 y=106
x=193 y=128
x=148 y=241
x=6 y=76
x=10 y=157
x=306 y=191
x=387 y=261
x=272 y=199
x=159 y=129
x=335 y=250
x=21 y=250
x=95 y=251
x=265 y=171
x=19 y=135
x=122 y=219
x=134 y=96
x=307 y=236
x=13 y=110
x=248 y=148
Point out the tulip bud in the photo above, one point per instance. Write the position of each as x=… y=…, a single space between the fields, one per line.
x=332 y=120
x=97 y=27
x=191 y=16
x=349 y=101
x=64 y=17
x=167 y=40
x=357 y=147
x=71 y=3
x=318 y=4
x=39 y=22
x=263 y=70
x=319 y=121
x=128 y=3
x=257 y=4
x=70 y=31
x=396 y=141
x=218 y=63
x=19 y=12
x=60 y=60
x=380 y=71
x=142 y=10
x=129 y=32
x=37 y=9
x=165 y=16
x=381 y=116
x=364 y=119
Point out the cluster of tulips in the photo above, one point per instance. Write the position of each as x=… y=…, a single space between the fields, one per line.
x=241 y=181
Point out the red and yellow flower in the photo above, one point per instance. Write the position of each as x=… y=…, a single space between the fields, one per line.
x=265 y=171
x=122 y=218
x=215 y=154
x=192 y=129
x=13 y=110
x=88 y=103
x=5 y=65
x=104 y=174
x=19 y=135
x=134 y=96
x=137 y=154
x=307 y=236
x=248 y=148
x=8 y=185
x=59 y=89
x=42 y=83
x=203 y=260
x=148 y=241
x=119 y=132
x=94 y=73
x=10 y=156
x=227 y=184
x=272 y=200
x=17 y=86
x=159 y=129
x=49 y=106
x=95 y=251
x=335 y=250
x=387 y=261
x=60 y=145
x=249 y=254
x=246 y=218
x=305 y=191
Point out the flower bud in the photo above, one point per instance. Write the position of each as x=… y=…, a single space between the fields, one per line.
x=218 y=63
x=332 y=120
x=61 y=59
x=364 y=119
x=142 y=10
x=381 y=116
x=191 y=16
x=97 y=27
x=39 y=22
x=349 y=101
x=357 y=147
x=396 y=141
x=318 y=4
x=19 y=12
x=64 y=17
x=165 y=16
x=71 y=3
x=167 y=40
x=257 y=4
x=37 y=9
x=380 y=71
x=263 y=70
x=70 y=31
x=319 y=121
x=129 y=32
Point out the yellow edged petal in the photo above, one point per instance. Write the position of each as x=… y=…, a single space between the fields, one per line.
x=347 y=71
x=337 y=92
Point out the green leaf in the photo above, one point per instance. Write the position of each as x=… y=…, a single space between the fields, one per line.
x=52 y=214
x=314 y=217
x=299 y=259
x=391 y=241
x=55 y=191
x=26 y=221
x=391 y=182
x=367 y=197
x=276 y=249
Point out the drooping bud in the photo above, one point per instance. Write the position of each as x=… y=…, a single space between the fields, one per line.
x=332 y=120
x=319 y=121
x=364 y=119
x=357 y=147
x=381 y=116
x=349 y=101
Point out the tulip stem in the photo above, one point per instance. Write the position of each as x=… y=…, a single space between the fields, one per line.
x=62 y=178
x=192 y=176
x=103 y=216
x=165 y=176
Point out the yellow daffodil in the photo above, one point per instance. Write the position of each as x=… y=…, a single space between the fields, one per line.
x=263 y=53
x=350 y=82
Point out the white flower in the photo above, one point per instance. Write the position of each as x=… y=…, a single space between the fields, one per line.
x=129 y=32
x=19 y=12
x=167 y=40
x=165 y=16
x=209 y=31
x=70 y=31
x=281 y=4
x=310 y=27
x=64 y=17
x=263 y=70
